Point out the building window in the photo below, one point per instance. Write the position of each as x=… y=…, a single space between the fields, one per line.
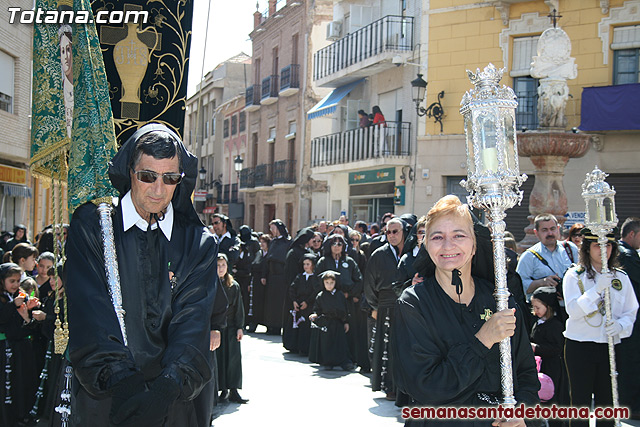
x=525 y=86
x=213 y=125
x=234 y=124
x=272 y=135
x=7 y=66
x=242 y=121
x=626 y=63
x=225 y=129
x=626 y=55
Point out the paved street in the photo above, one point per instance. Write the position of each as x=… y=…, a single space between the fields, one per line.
x=284 y=387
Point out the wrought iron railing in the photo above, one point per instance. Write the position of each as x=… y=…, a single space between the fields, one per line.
x=247 y=178
x=225 y=194
x=270 y=87
x=264 y=175
x=390 y=33
x=362 y=144
x=234 y=193
x=290 y=77
x=284 y=172
x=252 y=95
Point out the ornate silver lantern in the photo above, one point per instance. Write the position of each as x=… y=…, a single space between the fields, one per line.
x=493 y=178
x=600 y=218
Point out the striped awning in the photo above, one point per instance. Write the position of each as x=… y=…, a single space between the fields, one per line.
x=329 y=103
x=16 y=190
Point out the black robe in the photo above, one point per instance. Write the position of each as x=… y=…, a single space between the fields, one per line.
x=166 y=331
x=628 y=351
x=302 y=289
x=242 y=271
x=439 y=362
x=382 y=273
x=16 y=364
x=276 y=288
x=549 y=342
x=292 y=267
x=229 y=354
x=328 y=340
x=350 y=282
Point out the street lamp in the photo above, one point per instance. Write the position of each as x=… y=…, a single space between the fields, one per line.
x=237 y=164
x=493 y=178
x=202 y=174
x=418 y=93
x=600 y=218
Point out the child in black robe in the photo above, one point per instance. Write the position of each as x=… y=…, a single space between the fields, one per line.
x=16 y=354
x=302 y=292
x=547 y=340
x=229 y=356
x=330 y=316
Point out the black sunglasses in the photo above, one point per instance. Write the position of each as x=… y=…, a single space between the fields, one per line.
x=149 y=177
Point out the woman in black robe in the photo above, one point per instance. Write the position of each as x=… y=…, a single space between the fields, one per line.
x=249 y=247
x=447 y=328
x=331 y=320
x=293 y=267
x=255 y=310
x=229 y=354
x=277 y=286
x=302 y=293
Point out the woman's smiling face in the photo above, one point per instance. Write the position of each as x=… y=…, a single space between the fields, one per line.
x=450 y=243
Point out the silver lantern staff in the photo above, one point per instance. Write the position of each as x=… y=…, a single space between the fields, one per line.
x=493 y=179
x=600 y=218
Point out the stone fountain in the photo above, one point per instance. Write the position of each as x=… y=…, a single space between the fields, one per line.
x=550 y=146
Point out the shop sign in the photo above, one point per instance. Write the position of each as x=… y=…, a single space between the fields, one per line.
x=398 y=195
x=209 y=210
x=200 y=196
x=574 y=218
x=13 y=175
x=371 y=176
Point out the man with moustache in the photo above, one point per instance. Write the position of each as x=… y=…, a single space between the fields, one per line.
x=545 y=263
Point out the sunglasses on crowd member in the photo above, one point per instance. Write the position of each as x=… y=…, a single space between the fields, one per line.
x=337 y=243
x=355 y=239
x=149 y=177
x=393 y=231
x=216 y=222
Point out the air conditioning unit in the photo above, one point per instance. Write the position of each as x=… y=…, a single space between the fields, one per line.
x=333 y=30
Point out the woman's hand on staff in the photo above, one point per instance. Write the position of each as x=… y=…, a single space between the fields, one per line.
x=513 y=422
x=501 y=325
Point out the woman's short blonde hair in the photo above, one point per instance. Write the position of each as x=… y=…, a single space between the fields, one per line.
x=449 y=205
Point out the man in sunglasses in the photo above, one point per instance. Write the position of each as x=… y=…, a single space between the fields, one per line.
x=167 y=268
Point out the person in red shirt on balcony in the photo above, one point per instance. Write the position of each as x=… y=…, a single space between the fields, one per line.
x=378 y=117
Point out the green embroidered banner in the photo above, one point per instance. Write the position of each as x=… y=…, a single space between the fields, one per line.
x=73 y=136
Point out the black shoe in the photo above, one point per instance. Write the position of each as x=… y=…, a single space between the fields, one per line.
x=251 y=328
x=234 y=397
x=347 y=366
x=224 y=395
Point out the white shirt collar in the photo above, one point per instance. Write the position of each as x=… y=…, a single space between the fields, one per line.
x=130 y=217
x=220 y=238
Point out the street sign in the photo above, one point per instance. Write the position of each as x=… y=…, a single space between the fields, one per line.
x=200 y=196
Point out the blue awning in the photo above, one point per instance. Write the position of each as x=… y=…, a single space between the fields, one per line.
x=330 y=102
x=16 y=190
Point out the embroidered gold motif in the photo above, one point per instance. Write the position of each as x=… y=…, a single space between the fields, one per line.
x=487 y=314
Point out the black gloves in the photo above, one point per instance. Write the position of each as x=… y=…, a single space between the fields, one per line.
x=124 y=390
x=147 y=408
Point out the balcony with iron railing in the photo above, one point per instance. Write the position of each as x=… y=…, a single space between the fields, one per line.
x=264 y=175
x=269 y=89
x=284 y=173
x=290 y=80
x=247 y=178
x=252 y=98
x=367 y=51
x=362 y=147
x=225 y=194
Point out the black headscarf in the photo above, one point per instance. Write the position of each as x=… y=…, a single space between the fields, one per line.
x=281 y=228
x=303 y=237
x=245 y=233
x=549 y=296
x=121 y=179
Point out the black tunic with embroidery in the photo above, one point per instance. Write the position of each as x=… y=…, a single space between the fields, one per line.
x=328 y=340
x=438 y=359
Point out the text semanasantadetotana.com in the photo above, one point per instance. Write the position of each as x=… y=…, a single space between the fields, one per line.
x=521 y=411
